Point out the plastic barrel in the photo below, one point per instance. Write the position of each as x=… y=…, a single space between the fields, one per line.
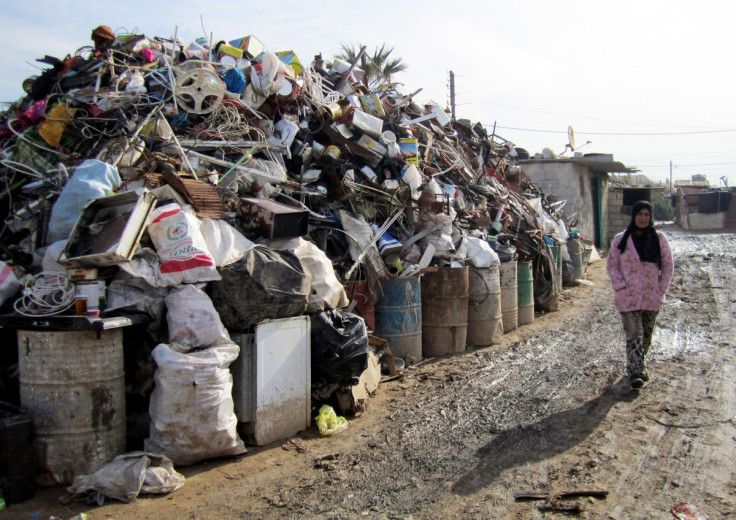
x=525 y=277
x=485 y=321
x=358 y=291
x=72 y=383
x=575 y=249
x=509 y=296
x=444 y=311
x=398 y=314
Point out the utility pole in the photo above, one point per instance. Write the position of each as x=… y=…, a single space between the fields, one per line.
x=671 y=177
x=452 y=94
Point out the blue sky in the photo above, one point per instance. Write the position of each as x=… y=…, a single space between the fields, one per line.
x=649 y=81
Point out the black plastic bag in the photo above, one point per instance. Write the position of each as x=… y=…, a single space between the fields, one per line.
x=339 y=350
x=264 y=284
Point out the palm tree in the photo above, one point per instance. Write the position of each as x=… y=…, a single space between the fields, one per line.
x=378 y=68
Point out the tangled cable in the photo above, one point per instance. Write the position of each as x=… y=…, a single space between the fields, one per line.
x=46 y=295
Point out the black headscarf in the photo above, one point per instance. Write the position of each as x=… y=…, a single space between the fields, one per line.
x=645 y=240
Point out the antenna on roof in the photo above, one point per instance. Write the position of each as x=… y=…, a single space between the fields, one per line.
x=570 y=141
x=570 y=138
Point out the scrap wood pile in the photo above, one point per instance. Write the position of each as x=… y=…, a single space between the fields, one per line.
x=284 y=181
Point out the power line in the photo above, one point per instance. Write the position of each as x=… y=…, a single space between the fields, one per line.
x=620 y=133
x=689 y=165
x=573 y=116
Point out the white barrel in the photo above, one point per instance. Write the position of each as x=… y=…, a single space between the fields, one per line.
x=485 y=321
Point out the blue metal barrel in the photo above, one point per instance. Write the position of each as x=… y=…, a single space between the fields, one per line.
x=398 y=315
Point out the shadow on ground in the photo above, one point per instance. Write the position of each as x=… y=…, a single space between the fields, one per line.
x=541 y=440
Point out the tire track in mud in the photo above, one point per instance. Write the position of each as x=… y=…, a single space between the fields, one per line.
x=490 y=401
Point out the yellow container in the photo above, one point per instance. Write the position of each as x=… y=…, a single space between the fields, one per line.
x=229 y=50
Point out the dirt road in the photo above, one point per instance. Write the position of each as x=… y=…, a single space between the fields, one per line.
x=546 y=411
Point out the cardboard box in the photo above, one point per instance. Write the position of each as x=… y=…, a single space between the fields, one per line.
x=367 y=123
x=372 y=104
x=250 y=45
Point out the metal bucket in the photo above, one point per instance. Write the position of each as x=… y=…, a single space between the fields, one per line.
x=575 y=248
x=444 y=311
x=72 y=383
x=358 y=291
x=398 y=315
x=485 y=321
x=509 y=296
x=525 y=277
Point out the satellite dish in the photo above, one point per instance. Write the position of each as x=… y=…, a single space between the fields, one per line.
x=571 y=138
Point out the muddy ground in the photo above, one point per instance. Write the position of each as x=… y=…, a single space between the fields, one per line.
x=545 y=411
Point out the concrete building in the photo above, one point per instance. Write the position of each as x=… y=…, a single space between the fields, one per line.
x=582 y=181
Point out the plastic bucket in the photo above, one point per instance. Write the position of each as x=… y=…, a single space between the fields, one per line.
x=509 y=295
x=485 y=321
x=398 y=315
x=444 y=311
x=72 y=383
x=525 y=277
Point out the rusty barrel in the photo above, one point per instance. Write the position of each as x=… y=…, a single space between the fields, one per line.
x=72 y=383
x=525 y=292
x=509 y=296
x=485 y=321
x=398 y=314
x=358 y=291
x=444 y=311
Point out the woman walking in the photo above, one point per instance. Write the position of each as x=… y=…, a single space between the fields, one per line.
x=640 y=267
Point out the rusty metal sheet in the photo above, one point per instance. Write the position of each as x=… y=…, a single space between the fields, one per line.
x=685 y=511
x=202 y=196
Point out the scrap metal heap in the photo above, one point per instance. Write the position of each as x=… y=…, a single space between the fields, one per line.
x=232 y=122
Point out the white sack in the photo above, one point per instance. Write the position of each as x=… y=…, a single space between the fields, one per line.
x=192 y=319
x=128 y=475
x=226 y=244
x=191 y=407
x=181 y=248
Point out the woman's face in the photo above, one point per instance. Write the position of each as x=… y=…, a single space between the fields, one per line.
x=642 y=218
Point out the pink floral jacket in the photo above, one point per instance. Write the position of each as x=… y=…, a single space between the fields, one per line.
x=639 y=286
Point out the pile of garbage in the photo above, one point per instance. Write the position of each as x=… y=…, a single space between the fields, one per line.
x=212 y=186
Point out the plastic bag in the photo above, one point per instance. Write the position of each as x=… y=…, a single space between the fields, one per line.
x=269 y=77
x=180 y=245
x=191 y=407
x=328 y=422
x=480 y=253
x=90 y=180
x=264 y=284
x=339 y=347
x=326 y=290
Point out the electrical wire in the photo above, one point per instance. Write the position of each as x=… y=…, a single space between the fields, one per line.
x=47 y=294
